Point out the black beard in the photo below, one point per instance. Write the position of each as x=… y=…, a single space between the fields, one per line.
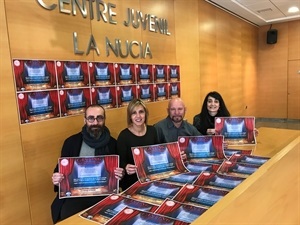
x=95 y=130
x=177 y=120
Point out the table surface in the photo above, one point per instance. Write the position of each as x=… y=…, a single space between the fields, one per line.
x=269 y=196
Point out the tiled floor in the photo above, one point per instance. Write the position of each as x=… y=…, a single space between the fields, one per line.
x=277 y=123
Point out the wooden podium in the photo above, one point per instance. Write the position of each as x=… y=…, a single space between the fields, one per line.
x=271 y=195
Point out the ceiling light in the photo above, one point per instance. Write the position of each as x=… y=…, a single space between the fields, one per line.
x=293 y=9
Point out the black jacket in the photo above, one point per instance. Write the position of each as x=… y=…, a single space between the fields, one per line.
x=71 y=148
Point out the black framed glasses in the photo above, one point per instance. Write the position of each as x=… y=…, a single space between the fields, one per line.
x=91 y=119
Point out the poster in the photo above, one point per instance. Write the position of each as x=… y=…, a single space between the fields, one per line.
x=152 y=192
x=88 y=176
x=202 y=148
x=129 y=216
x=199 y=196
x=236 y=130
x=38 y=106
x=34 y=75
x=237 y=169
x=180 y=211
x=156 y=162
x=215 y=180
x=102 y=73
x=199 y=167
x=252 y=159
x=111 y=205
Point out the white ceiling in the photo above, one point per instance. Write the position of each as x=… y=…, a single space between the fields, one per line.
x=260 y=12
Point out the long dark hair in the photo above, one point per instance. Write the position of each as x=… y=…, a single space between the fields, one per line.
x=205 y=118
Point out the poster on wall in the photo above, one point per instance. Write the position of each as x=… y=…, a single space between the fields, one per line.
x=125 y=73
x=161 y=91
x=74 y=101
x=156 y=162
x=72 y=74
x=174 y=90
x=102 y=73
x=160 y=73
x=236 y=130
x=173 y=73
x=144 y=73
x=34 y=75
x=125 y=93
x=104 y=96
x=88 y=176
x=145 y=92
x=37 y=106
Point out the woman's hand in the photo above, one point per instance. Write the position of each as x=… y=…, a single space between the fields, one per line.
x=57 y=178
x=130 y=169
x=119 y=173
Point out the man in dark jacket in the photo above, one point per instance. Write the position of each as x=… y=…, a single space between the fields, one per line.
x=93 y=140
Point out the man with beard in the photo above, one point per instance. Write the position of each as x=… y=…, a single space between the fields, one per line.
x=170 y=128
x=93 y=140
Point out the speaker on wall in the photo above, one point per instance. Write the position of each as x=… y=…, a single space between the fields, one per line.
x=272 y=36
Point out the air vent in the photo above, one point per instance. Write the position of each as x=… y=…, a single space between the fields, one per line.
x=264 y=10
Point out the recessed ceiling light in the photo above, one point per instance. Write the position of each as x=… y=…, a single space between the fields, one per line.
x=293 y=9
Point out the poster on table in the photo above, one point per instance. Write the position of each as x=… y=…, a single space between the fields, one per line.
x=88 y=176
x=104 y=96
x=34 y=75
x=38 y=106
x=199 y=196
x=237 y=169
x=102 y=73
x=111 y=205
x=125 y=93
x=202 y=148
x=199 y=167
x=182 y=178
x=129 y=216
x=160 y=73
x=236 y=130
x=74 y=101
x=180 y=211
x=252 y=159
x=125 y=73
x=152 y=192
x=72 y=74
x=156 y=162
x=229 y=152
x=144 y=73
x=215 y=180
x=145 y=92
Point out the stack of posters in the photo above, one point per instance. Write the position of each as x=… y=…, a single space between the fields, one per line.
x=175 y=191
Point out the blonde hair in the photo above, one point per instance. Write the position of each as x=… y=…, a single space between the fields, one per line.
x=130 y=108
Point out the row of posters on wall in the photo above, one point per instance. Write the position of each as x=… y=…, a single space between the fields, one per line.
x=49 y=89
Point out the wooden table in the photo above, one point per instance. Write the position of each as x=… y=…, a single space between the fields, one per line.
x=270 y=196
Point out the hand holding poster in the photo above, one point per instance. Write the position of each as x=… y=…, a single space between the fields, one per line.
x=88 y=176
x=236 y=130
x=156 y=162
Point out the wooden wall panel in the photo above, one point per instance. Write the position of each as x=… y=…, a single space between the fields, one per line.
x=272 y=73
x=187 y=54
x=294 y=40
x=14 y=205
x=228 y=57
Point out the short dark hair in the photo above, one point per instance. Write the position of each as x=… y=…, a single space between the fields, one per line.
x=95 y=106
